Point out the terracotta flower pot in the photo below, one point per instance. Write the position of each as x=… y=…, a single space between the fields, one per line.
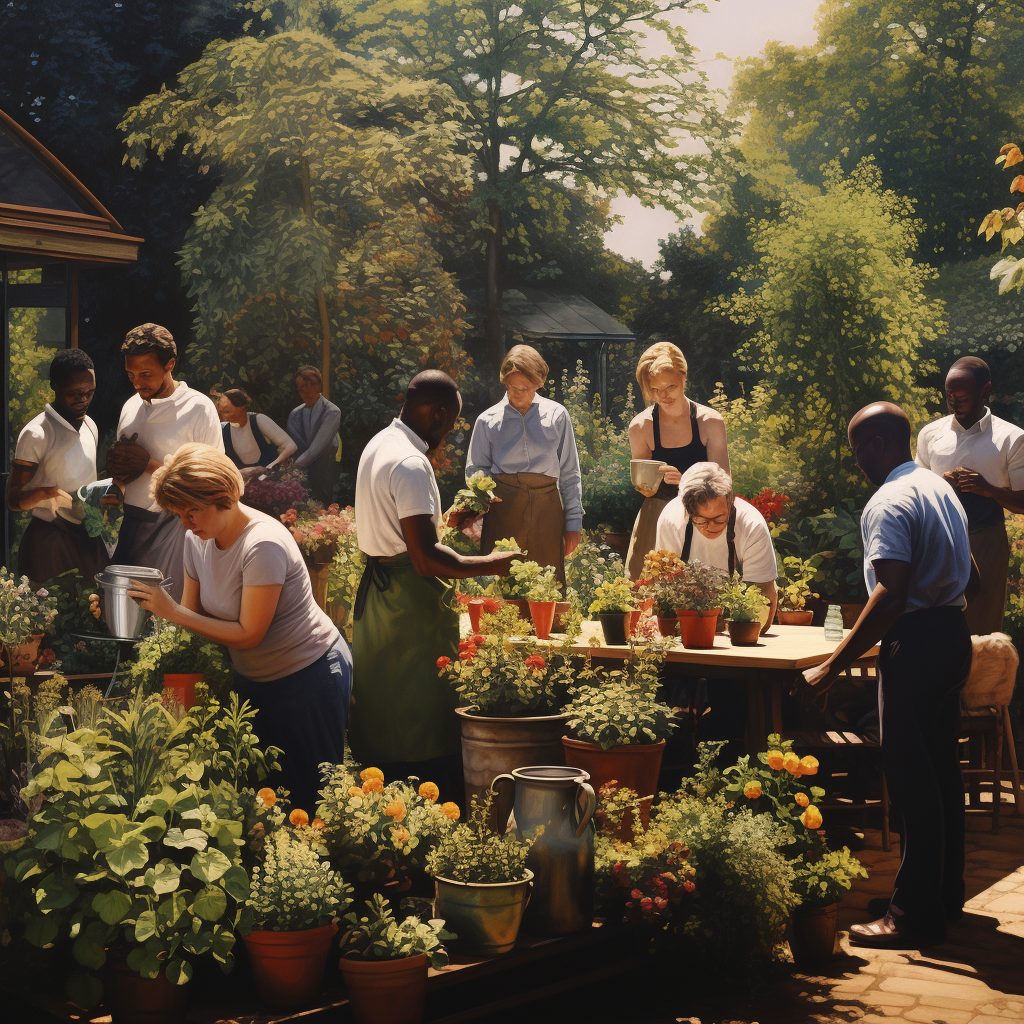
x=183 y=685
x=613 y=625
x=319 y=576
x=632 y=619
x=812 y=934
x=288 y=967
x=697 y=629
x=543 y=615
x=634 y=767
x=478 y=607
x=386 y=991
x=668 y=625
x=561 y=611
x=744 y=634
x=132 y=999
x=794 y=617
x=21 y=660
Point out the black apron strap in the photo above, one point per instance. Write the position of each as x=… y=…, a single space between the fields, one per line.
x=730 y=540
x=373 y=573
x=687 y=541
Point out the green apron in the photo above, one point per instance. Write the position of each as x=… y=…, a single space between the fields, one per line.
x=403 y=709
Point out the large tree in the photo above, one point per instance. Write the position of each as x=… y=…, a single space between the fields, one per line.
x=920 y=85
x=558 y=91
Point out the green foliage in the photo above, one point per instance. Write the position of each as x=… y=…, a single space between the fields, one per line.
x=174 y=649
x=839 y=316
x=292 y=888
x=23 y=611
x=29 y=392
x=1008 y=223
x=743 y=602
x=534 y=582
x=473 y=852
x=697 y=587
x=794 y=582
x=613 y=595
x=588 y=566
x=834 y=536
x=378 y=936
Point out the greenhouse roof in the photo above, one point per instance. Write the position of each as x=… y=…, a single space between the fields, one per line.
x=553 y=316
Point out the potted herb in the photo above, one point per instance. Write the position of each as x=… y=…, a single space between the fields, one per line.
x=524 y=577
x=543 y=595
x=25 y=615
x=613 y=600
x=698 y=590
x=176 y=659
x=794 y=585
x=619 y=727
x=384 y=963
x=476 y=497
x=482 y=883
x=655 y=586
x=295 y=898
x=747 y=610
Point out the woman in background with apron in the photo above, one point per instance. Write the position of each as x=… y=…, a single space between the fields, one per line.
x=527 y=445
x=673 y=430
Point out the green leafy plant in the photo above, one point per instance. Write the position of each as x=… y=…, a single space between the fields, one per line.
x=745 y=603
x=837 y=533
x=477 y=495
x=293 y=888
x=473 y=852
x=378 y=936
x=174 y=649
x=614 y=595
x=589 y=565
x=99 y=520
x=697 y=587
x=24 y=612
x=537 y=580
x=794 y=582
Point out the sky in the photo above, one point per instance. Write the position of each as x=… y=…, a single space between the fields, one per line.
x=736 y=28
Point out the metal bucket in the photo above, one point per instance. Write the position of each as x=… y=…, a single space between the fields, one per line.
x=124 y=616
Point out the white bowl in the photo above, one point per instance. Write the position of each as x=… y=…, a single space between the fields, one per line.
x=644 y=473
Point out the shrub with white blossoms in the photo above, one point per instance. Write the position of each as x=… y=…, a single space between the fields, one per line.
x=293 y=889
x=24 y=612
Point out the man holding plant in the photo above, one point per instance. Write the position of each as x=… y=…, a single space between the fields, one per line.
x=917 y=568
x=402 y=719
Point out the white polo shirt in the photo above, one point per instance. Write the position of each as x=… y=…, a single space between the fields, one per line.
x=916 y=517
x=395 y=480
x=163 y=426
x=64 y=457
x=753 y=540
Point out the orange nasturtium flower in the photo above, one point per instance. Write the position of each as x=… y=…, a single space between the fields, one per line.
x=752 y=790
x=451 y=810
x=396 y=810
x=319 y=823
x=373 y=785
x=811 y=818
x=791 y=763
x=400 y=835
x=268 y=796
x=298 y=817
x=809 y=765
x=429 y=791
x=802 y=799
x=355 y=791
x=775 y=759
x=371 y=773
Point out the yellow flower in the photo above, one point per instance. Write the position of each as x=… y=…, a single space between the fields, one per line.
x=809 y=765
x=752 y=790
x=451 y=810
x=371 y=773
x=811 y=818
x=791 y=763
x=355 y=791
x=775 y=759
x=268 y=796
x=396 y=810
x=802 y=799
x=400 y=835
x=373 y=785
x=298 y=817
x=429 y=791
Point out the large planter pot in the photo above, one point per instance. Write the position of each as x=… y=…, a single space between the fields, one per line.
x=386 y=991
x=183 y=686
x=668 y=625
x=697 y=629
x=288 y=967
x=543 y=615
x=634 y=767
x=613 y=625
x=795 y=617
x=812 y=934
x=20 y=660
x=744 y=634
x=485 y=917
x=132 y=999
x=495 y=746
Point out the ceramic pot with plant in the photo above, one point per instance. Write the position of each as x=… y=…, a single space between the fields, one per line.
x=176 y=659
x=613 y=600
x=384 y=963
x=794 y=586
x=510 y=693
x=482 y=883
x=25 y=616
x=544 y=593
x=619 y=727
x=295 y=899
x=698 y=590
x=655 y=586
x=747 y=610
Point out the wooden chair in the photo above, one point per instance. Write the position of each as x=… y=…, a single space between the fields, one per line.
x=985 y=721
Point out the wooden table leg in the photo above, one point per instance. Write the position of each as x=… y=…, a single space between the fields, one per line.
x=756 y=733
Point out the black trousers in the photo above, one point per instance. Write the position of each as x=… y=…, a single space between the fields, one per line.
x=922 y=666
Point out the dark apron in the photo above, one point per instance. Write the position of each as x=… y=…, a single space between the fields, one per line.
x=730 y=539
x=48 y=549
x=153 y=539
x=531 y=511
x=403 y=710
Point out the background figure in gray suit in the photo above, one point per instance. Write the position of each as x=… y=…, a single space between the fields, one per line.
x=313 y=426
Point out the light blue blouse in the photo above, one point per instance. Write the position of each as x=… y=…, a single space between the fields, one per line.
x=542 y=441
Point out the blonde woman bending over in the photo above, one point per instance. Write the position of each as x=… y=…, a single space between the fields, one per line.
x=673 y=430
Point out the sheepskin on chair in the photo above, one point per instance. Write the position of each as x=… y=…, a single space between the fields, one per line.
x=993 y=672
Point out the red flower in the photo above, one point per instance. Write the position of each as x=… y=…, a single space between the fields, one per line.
x=636 y=894
x=479 y=640
x=535 y=661
x=689 y=886
x=468 y=655
x=443 y=662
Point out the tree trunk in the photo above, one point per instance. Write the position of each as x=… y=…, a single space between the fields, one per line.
x=494 y=336
x=321 y=299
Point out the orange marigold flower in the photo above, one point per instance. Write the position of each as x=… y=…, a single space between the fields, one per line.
x=298 y=817
x=752 y=790
x=354 y=791
x=268 y=796
x=372 y=785
x=318 y=823
x=400 y=835
x=802 y=799
x=451 y=810
x=775 y=759
x=811 y=818
x=371 y=773
x=809 y=765
x=791 y=763
x=396 y=810
x=429 y=791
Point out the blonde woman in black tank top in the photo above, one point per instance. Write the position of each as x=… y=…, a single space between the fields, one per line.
x=673 y=430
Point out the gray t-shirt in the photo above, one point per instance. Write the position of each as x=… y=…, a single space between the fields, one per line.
x=264 y=555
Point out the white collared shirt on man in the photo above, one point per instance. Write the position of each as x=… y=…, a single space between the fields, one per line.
x=395 y=480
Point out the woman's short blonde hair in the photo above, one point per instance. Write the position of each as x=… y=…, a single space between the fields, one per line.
x=658 y=358
x=525 y=360
x=196 y=476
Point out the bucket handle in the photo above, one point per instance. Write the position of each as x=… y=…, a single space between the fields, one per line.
x=591 y=807
x=500 y=778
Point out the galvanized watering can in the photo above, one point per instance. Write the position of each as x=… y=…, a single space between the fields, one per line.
x=562 y=859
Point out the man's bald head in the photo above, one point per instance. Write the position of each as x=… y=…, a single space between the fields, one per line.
x=974 y=367
x=432 y=405
x=880 y=438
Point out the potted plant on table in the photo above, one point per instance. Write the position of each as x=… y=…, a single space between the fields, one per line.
x=384 y=963
x=175 y=659
x=613 y=600
x=747 y=610
x=619 y=727
x=295 y=899
x=25 y=615
x=655 y=586
x=319 y=535
x=698 y=590
x=794 y=586
x=543 y=594
x=482 y=883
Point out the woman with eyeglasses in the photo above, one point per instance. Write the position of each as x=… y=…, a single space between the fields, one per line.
x=672 y=430
x=708 y=523
x=527 y=445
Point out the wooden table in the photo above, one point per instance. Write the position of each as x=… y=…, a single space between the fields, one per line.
x=766 y=667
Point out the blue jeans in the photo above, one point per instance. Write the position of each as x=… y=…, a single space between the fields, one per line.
x=304 y=714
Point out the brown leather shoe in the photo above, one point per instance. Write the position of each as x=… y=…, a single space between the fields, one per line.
x=890 y=932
